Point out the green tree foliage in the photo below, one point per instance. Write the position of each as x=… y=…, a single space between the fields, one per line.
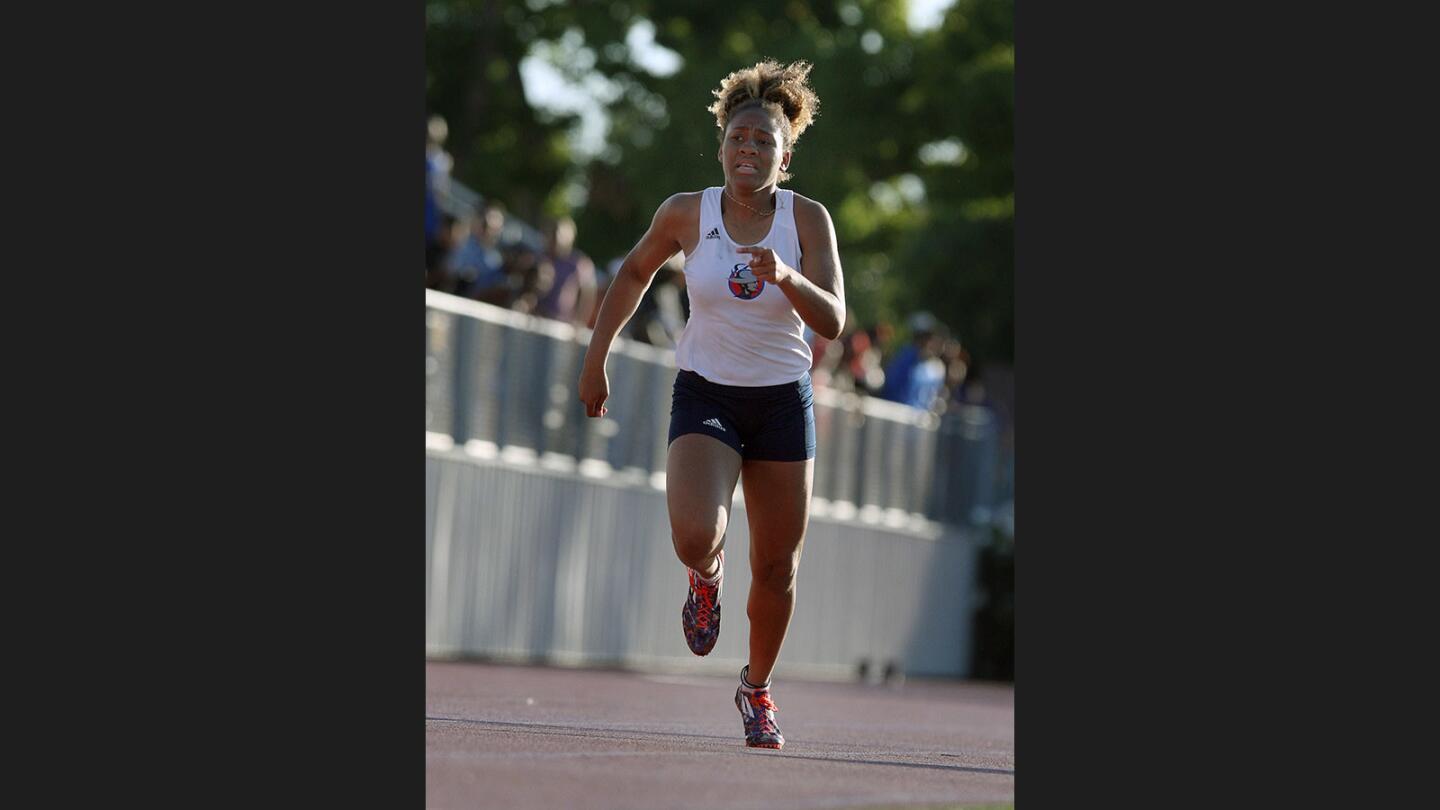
x=501 y=145
x=911 y=151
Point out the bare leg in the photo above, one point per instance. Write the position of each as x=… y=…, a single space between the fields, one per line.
x=700 y=475
x=777 y=500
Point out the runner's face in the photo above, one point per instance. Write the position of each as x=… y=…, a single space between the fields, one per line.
x=752 y=152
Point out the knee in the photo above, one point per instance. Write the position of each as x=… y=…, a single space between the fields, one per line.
x=776 y=575
x=696 y=540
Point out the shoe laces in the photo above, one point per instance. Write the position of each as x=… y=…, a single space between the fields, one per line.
x=761 y=701
x=704 y=596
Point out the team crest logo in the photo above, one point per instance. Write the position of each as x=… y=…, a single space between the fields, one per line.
x=743 y=284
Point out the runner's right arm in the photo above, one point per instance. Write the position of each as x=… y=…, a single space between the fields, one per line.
x=661 y=241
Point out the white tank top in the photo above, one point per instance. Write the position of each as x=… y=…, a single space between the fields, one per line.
x=742 y=331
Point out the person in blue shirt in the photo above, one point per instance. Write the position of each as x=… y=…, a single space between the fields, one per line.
x=477 y=265
x=916 y=375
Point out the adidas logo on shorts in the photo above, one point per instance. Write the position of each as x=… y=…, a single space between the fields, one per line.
x=713 y=422
x=714 y=234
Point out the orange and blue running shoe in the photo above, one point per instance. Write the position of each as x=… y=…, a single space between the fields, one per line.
x=757 y=711
x=700 y=617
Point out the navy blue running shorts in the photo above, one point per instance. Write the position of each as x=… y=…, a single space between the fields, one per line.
x=761 y=423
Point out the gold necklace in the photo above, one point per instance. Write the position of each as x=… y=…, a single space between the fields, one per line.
x=756 y=210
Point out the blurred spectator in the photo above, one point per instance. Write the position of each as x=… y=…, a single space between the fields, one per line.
x=957 y=365
x=571 y=294
x=475 y=262
x=531 y=277
x=851 y=362
x=916 y=374
x=862 y=359
x=438 y=161
x=438 y=164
